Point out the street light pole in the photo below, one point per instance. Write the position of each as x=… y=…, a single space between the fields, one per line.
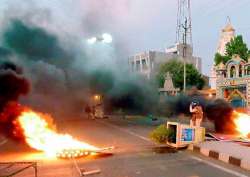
x=185 y=27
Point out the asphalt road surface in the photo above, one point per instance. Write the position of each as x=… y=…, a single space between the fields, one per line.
x=134 y=154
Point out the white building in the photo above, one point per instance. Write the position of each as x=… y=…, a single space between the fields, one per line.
x=227 y=33
x=148 y=63
x=176 y=51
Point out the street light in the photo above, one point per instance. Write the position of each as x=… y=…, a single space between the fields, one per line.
x=107 y=38
x=104 y=38
x=92 y=40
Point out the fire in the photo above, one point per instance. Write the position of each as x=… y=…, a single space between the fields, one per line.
x=242 y=122
x=40 y=135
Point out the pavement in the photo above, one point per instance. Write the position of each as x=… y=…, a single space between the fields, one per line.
x=228 y=152
x=135 y=155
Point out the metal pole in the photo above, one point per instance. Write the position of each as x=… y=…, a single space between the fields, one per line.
x=184 y=54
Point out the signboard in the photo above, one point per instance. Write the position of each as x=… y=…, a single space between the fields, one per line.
x=187 y=135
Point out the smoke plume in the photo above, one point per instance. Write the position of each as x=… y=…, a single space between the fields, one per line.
x=64 y=75
x=12 y=85
x=218 y=111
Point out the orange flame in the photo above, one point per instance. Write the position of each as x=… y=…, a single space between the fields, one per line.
x=242 y=122
x=41 y=136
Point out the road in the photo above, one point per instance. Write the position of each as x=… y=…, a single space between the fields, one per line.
x=134 y=154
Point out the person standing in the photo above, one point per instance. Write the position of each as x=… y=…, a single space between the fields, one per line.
x=197 y=114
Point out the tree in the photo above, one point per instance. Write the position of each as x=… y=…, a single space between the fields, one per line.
x=235 y=46
x=220 y=58
x=176 y=69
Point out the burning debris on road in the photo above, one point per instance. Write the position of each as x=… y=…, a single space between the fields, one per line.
x=36 y=129
x=52 y=69
x=40 y=134
x=242 y=123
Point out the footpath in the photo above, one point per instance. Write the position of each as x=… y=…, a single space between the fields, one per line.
x=230 y=152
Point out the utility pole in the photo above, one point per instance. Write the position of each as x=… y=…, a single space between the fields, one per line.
x=184 y=32
x=185 y=27
x=184 y=16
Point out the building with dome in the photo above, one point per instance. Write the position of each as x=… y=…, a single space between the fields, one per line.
x=227 y=33
x=233 y=81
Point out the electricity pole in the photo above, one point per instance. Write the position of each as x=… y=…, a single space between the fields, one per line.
x=185 y=27
x=184 y=32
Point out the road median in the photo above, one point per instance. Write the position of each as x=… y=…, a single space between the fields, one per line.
x=228 y=152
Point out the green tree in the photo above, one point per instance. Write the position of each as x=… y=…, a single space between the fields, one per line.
x=176 y=69
x=218 y=58
x=235 y=46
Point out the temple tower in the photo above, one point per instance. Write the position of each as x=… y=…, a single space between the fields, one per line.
x=227 y=33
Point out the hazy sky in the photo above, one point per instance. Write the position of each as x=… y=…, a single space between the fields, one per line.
x=138 y=25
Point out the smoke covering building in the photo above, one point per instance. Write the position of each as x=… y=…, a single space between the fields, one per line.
x=148 y=63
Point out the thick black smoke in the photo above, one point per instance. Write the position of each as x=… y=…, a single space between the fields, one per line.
x=35 y=44
x=12 y=85
x=218 y=111
x=133 y=97
x=64 y=76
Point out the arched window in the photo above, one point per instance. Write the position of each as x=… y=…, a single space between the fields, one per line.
x=232 y=71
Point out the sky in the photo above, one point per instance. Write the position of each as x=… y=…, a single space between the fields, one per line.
x=137 y=25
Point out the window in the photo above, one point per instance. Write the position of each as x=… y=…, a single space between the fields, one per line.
x=232 y=72
x=144 y=64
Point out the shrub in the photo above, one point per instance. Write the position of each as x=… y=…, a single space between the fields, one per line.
x=160 y=134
